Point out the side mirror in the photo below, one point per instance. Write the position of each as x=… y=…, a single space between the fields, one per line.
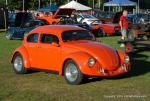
x=55 y=44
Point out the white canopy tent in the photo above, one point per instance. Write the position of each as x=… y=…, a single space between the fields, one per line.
x=75 y=5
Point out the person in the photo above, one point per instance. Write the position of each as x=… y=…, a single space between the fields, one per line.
x=124 y=26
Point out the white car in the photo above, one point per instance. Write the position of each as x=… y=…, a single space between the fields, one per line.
x=88 y=19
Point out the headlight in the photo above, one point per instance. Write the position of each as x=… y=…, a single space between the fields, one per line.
x=126 y=59
x=91 y=62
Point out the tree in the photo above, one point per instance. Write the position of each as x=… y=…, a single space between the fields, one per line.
x=33 y=4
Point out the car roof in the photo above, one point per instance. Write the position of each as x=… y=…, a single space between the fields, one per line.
x=55 y=29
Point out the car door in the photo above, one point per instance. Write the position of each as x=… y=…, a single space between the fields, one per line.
x=32 y=49
x=49 y=52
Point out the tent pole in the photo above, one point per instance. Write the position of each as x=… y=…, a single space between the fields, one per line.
x=138 y=6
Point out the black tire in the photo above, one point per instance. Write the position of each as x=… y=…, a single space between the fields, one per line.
x=102 y=32
x=79 y=76
x=18 y=64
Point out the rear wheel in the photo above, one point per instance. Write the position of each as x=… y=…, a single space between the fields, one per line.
x=101 y=32
x=72 y=73
x=18 y=64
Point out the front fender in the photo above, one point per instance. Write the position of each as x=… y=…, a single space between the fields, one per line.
x=22 y=50
x=122 y=56
x=80 y=58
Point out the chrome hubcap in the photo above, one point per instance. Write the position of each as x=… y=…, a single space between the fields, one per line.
x=18 y=63
x=71 y=72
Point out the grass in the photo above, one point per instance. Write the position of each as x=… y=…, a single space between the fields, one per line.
x=41 y=86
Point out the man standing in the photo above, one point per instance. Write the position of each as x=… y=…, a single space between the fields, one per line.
x=124 y=25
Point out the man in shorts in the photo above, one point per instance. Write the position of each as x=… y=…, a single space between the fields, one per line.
x=124 y=26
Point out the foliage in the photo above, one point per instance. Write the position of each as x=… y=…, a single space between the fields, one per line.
x=33 y=4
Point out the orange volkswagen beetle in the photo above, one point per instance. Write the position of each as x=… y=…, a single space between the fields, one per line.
x=69 y=50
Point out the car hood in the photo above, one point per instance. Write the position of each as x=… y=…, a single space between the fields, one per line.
x=91 y=19
x=105 y=55
x=63 y=12
x=112 y=25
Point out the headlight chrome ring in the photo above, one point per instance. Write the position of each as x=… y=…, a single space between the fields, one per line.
x=91 y=62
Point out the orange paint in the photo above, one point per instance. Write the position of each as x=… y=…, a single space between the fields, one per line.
x=53 y=56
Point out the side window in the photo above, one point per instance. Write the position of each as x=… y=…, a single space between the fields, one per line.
x=49 y=38
x=33 y=38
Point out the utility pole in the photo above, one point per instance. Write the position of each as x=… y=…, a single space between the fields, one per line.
x=50 y=2
x=6 y=2
x=93 y=4
x=99 y=3
x=39 y=4
x=23 y=6
x=138 y=6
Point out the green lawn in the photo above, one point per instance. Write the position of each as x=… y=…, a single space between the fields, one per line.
x=41 y=86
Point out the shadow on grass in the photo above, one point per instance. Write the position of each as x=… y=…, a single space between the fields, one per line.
x=139 y=66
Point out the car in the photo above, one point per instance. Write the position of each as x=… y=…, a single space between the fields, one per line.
x=65 y=20
x=54 y=19
x=86 y=18
x=69 y=51
x=105 y=17
x=16 y=19
x=104 y=28
x=19 y=32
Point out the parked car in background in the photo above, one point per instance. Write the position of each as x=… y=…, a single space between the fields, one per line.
x=139 y=18
x=105 y=17
x=106 y=29
x=86 y=18
x=57 y=15
x=19 y=32
x=16 y=19
x=65 y=20
x=70 y=51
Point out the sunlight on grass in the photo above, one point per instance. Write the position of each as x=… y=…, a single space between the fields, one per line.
x=41 y=86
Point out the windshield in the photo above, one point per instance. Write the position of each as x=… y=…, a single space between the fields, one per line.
x=77 y=35
x=87 y=16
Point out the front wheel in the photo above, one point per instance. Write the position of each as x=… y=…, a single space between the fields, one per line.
x=18 y=64
x=72 y=73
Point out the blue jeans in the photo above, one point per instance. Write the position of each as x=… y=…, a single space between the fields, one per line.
x=124 y=32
